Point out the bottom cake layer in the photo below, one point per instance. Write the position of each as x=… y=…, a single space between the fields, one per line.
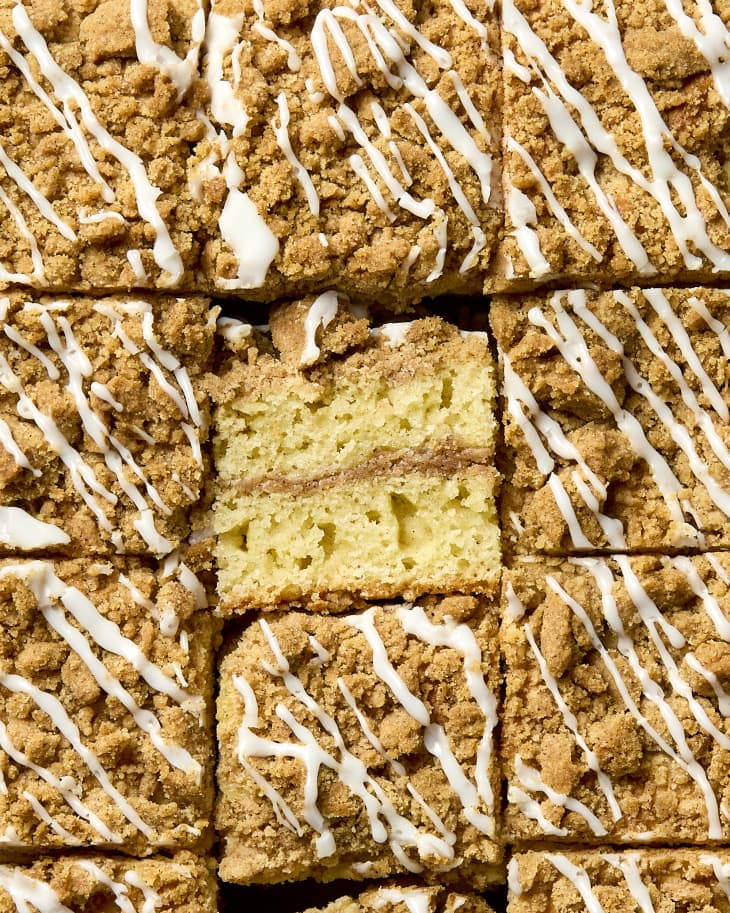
x=604 y=881
x=362 y=539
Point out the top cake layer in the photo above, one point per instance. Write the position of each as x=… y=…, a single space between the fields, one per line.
x=353 y=145
x=616 y=142
x=335 y=394
x=94 y=191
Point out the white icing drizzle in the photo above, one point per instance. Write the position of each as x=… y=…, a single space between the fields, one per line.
x=511 y=65
x=82 y=476
x=321 y=314
x=557 y=210
x=523 y=216
x=579 y=878
x=103 y=393
x=717 y=326
x=680 y=336
x=152 y=899
x=250 y=238
x=119 y=890
x=461 y=639
x=628 y=864
x=461 y=200
x=397 y=767
x=180 y=392
x=441 y=233
x=135 y=261
x=721 y=572
x=117 y=457
x=652 y=618
x=71 y=94
x=68 y=838
x=568 y=338
x=723 y=698
x=699 y=588
x=680 y=434
x=322 y=655
x=300 y=172
x=395 y=334
x=221 y=35
x=179 y=71
x=66 y=120
x=670 y=185
x=519 y=398
x=95 y=217
x=245 y=231
x=531 y=809
x=513 y=877
x=721 y=870
x=571 y=724
x=530 y=778
x=29 y=188
x=18 y=529
x=416 y=900
x=515 y=609
x=294 y=61
x=25 y=891
x=353 y=774
x=386 y=824
x=174 y=754
x=251 y=745
x=49 y=590
x=234 y=331
x=27 y=235
x=337 y=128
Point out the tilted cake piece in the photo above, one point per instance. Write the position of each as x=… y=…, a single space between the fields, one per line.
x=616 y=142
x=362 y=745
x=96 y=140
x=617 y=420
x=351 y=144
x=105 y=717
x=358 y=465
x=694 y=881
x=182 y=884
x=102 y=417
x=396 y=897
x=616 y=725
